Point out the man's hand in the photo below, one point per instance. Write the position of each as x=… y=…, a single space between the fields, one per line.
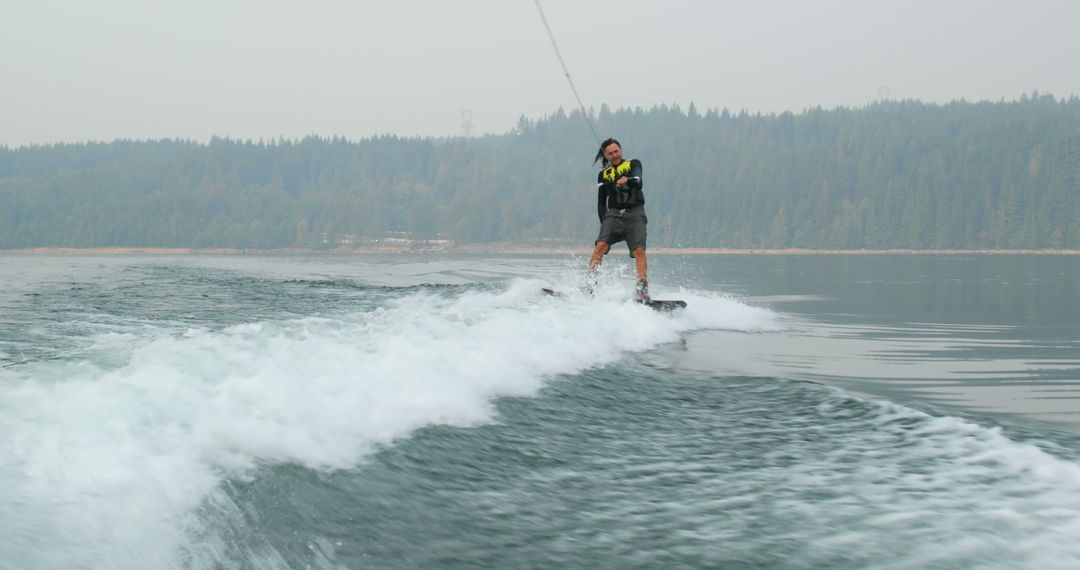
x=622 y=181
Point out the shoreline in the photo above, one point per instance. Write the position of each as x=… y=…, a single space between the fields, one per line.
x=513 y=249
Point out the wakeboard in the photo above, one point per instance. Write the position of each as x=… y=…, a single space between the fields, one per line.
x=662 y=305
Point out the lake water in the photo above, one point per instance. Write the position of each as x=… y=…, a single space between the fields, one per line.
x=439 y=412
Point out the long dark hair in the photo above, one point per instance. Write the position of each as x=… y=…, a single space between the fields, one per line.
x=600 y=153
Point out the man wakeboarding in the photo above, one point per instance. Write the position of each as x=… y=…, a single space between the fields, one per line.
x=621 y=206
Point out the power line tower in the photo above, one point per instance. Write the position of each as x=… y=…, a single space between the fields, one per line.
x=466 y=122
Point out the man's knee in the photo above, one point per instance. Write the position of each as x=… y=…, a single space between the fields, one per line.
x=602 y=247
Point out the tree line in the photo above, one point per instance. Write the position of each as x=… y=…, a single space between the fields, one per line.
x=892 y=174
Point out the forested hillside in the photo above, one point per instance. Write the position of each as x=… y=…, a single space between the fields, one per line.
x=892 y=174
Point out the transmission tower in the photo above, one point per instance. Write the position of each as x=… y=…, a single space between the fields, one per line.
x=466 y=122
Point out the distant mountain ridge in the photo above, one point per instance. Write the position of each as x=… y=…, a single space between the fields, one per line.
x=894 y=174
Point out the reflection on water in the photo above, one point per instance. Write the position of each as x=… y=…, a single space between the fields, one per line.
x=984 y=334
x=955 y=366
x=1039 y=290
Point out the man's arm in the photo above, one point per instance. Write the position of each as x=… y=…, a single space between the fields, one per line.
x=601 y=199
x=633 y=180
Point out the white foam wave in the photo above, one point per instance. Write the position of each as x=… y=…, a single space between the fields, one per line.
x=109 y=461
x=977 y=497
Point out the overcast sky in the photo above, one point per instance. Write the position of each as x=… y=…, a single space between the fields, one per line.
x=105 y=69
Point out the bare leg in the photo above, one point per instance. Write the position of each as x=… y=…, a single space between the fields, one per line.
x=641 y=291
x=598 y=253
x=641 y=263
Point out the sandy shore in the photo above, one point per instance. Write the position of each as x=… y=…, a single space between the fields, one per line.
x=506 y=248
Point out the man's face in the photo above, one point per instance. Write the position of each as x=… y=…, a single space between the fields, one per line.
x=613 y=153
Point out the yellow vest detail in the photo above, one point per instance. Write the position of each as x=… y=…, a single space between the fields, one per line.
x=612 y=173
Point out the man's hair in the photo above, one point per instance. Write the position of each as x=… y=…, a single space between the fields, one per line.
x=600 y=153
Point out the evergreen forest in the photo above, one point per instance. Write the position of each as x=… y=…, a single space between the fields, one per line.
x=892 y=174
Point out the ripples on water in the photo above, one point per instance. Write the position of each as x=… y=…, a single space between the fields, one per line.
x=388 y=413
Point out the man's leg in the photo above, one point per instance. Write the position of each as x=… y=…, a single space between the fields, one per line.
x=598 y=253
x=641 y=263
x=641 y=291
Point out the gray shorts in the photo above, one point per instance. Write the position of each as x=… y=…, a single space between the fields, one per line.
x=628 y=226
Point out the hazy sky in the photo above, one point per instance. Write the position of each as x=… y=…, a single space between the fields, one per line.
x=106 y=69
